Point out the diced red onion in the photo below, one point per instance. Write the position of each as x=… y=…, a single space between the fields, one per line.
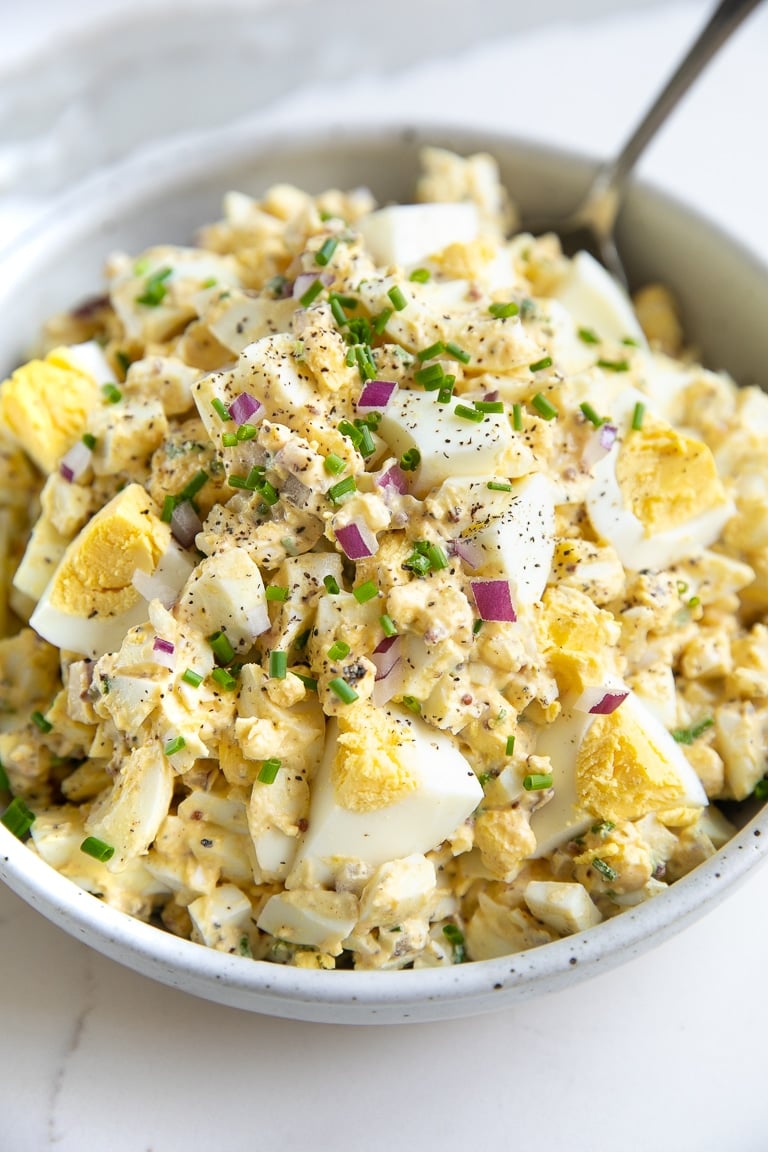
x=385 y=655
x=468 y=551
x=601 y=701
x=75 y=462
x=258 y=619
x=492 y=396
x=164 y=652
x=389 y=685
x=494 y=600
x=599 y=444
x=394 y=477
x=185 y=524
x=245 y=408
x=152 y=588
x=305 y=280
x=376 y=394
x=357 y=540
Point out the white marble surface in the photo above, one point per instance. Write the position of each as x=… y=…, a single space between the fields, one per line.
x=664 y=1053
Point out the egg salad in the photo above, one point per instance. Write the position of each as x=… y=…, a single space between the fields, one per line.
x=381 y=589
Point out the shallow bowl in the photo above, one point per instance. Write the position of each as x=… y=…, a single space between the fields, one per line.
x=723 y=292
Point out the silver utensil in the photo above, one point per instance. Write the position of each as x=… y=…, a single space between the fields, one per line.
x=591 y=226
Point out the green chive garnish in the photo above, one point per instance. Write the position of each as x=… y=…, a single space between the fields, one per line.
x=190 y=490
x=410 y=460
x=489 y=405
x=476 y=627
x=269 y=770
x=276 y=592
x=437 y=557
x=464 y=412
x=92 y=846
x=588 y=336
x=338 y=650
x=431 y=375
x=540 y=365
x=761 y=790
x=222 y=649
x=604 y=869
x=379 y=323
x=174 y=745
x=224 y=678
x=220 y=408
x=154 y=288
x=246 y=432
x=503 y=311
x=228 y=439
x=311 y=293
x=637 y=416
x=688 y=735
x=124 y=360
x=278 y=664
x=398 y=298
x=344 y=691
x=40 y=722
x=309 y=682
x=331 y=585
x=603 y=827
x=543 y=406
x=89 y=440
x=111 y=393
x=498 y=486
x=5 y=784
x=326 y=251
x=517 y=417
x=365 y=592
x=457 y=353
x=589 y=414
x=413 y=704
x=338 y=312
x=17 y=818
x=169 y=504
x=420 y=276
x=388 y=626
x=429 y=353
x=191 y=677
x=334 y=464
x=510 y=746
x=614 y=365
x=337 y=492
x=535 y=781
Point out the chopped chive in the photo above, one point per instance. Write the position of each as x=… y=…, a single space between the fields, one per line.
x=535 y=781
x=350 y=431
x=398 y=298
x=540 y=365
x=476 y=627
x=503 y=311
x=458 y=353
x=224 y=678
x=337 y=311
x=367 y=443
x=413 y=704
x=420 y=276
x=419 y=563
x=276 y=592
x=246 y=432
x=430 y=353
x=510 y=745
x=174 y=745
x=169 y=505
x=338 y=650
x=614 y=365
x=445 y=395
x=311 y=293
x=544 y=407
x=637 y=416
x=210 y=282
x=410 y=460
x=602 y=828
x=269 y=770
x=379 y=322
x=604 y=869
x=326 y=251
x=92 y=846
x=688 y=735
x=589 y=414
x=499 y=486
x=489 y=405
x=334 y=464
x=309 y=682
x=220 y=408
x=18 y=818
x=437 y=557
x=365 y=592
x=588 y=336
x=346 y=301
x=337 y=492
x=228 y=439
x=464 y=412
x=630 y=342
x=154 y=288
x=517 y=417
x=191 y=677
x=266 y=490
x=388 y=626
x=234 y=482
x=344 y=691
x=190 y=490
x=89 y=440
x=432 y=374
x=331 y=585
x=302 y=639
x=124 y=360
x=221 y=647
x=111 y=393
x=40 y=722
x=761 y=790
x=5 y=784
x=453 y=934
x=278 y=664
x=349 y=359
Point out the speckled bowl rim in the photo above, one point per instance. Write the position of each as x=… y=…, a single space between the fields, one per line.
x=359 y=997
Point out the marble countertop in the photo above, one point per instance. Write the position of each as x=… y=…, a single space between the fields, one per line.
x=663 y=1053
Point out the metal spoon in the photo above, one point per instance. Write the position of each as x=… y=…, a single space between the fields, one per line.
x=591 y=226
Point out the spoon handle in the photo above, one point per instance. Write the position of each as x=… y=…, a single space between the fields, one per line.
x=725 y=19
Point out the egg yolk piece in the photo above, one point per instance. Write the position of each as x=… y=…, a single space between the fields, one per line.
x=666 y=478
x=368 y=771
x=44 y=406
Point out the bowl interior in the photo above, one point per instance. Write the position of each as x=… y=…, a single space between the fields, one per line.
x=723 y=291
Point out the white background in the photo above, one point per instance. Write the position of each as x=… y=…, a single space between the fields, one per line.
x=665 y=1053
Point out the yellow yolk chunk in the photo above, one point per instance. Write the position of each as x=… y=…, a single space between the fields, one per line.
x=367 y=772
x=576 y=636
x=666 y=478
x=44 y=406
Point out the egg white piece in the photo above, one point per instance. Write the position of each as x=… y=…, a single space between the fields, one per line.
x=562 y=818
x=405 y=234
x=596 y=301
x=88 y=358
x=447 y=792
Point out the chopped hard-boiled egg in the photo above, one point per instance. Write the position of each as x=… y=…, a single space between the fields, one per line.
x=407 y=234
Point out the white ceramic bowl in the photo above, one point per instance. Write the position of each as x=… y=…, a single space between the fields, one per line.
x=724 y=295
